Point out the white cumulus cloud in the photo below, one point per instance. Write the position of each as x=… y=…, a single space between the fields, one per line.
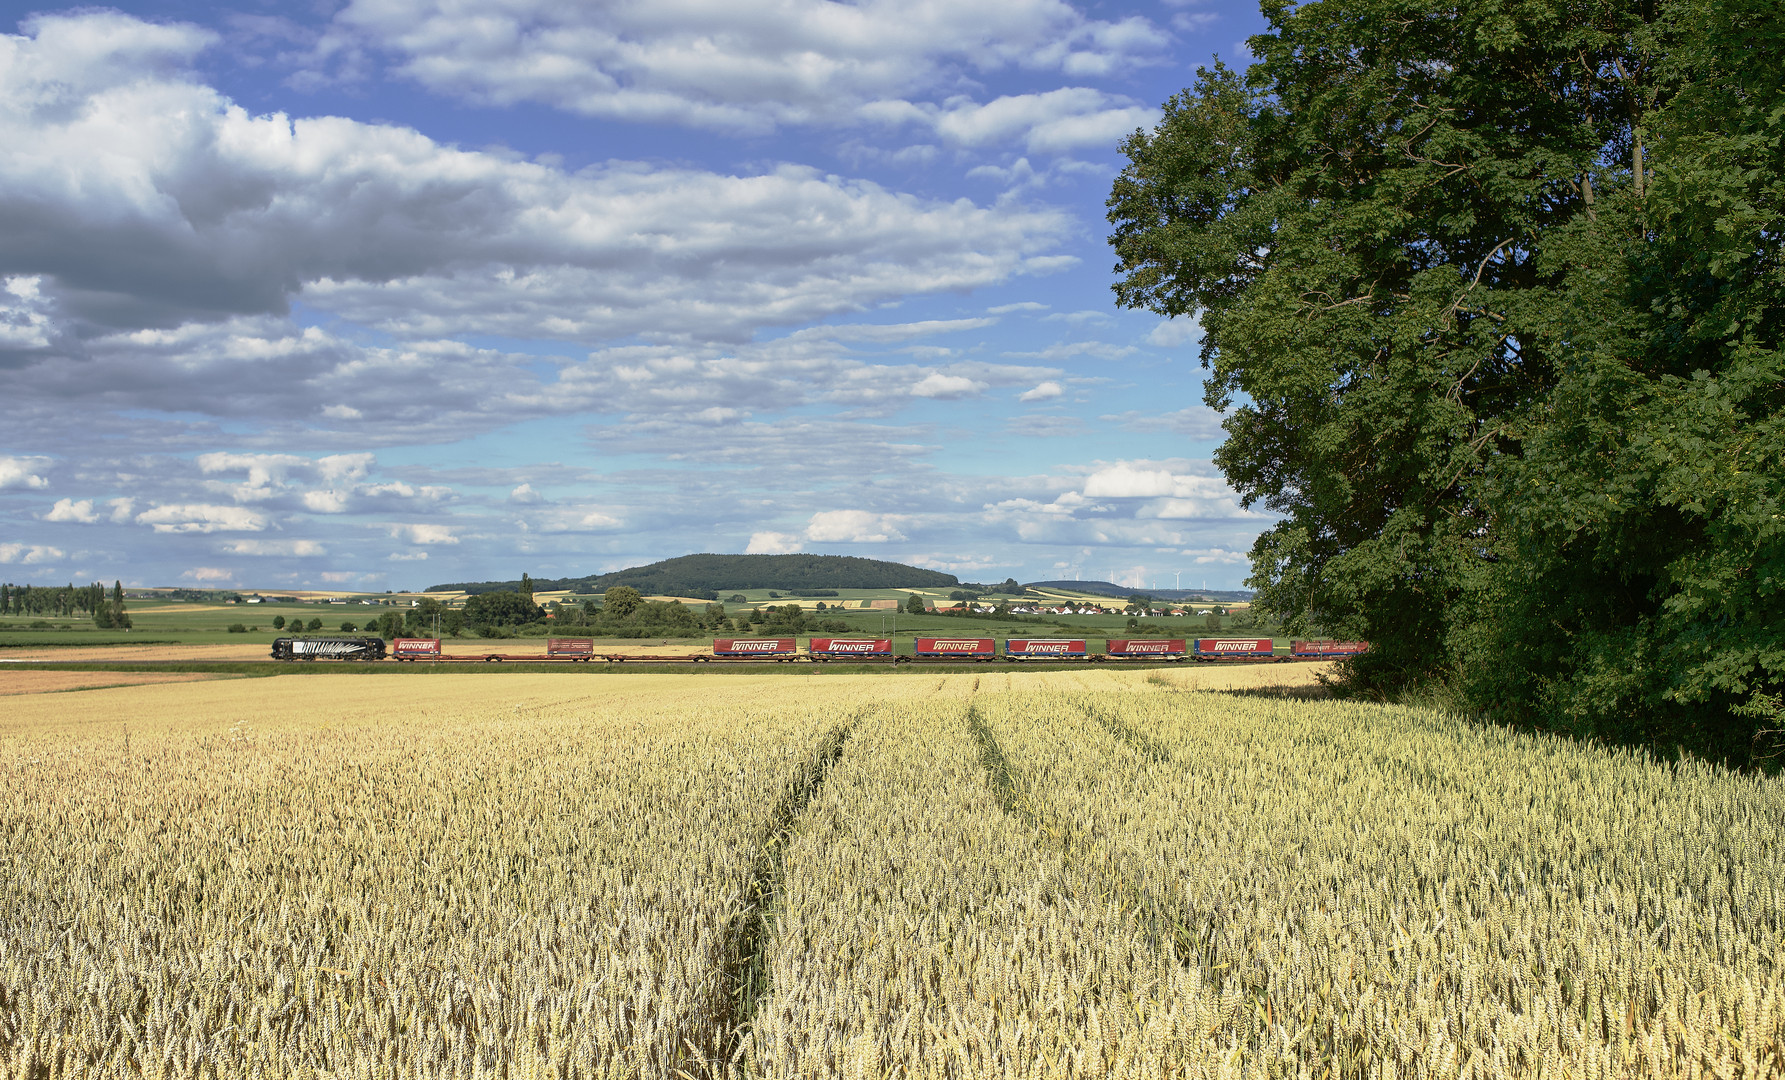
x=1125 y=481
x=773 y=543
x=30 y=554
x=851 y=527
x=289 y=548
x=732 y=67
x=1175 y=333
x=145 y=198
x=22 y=472
x=201 y=518
x=72 y=510
x=1053 y=121
x=209 y=575
x=424 y=533
x=938 y=385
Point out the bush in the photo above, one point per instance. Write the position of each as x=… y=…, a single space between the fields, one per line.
x=348 y=628
x=237 y=628
x=278 y=622
x=315 y=624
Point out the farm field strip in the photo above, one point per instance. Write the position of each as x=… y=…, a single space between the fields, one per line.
x=1385 y=889
x=921 y=930
x=535 y=885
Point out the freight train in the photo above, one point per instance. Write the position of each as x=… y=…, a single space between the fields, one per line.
x=825 y=649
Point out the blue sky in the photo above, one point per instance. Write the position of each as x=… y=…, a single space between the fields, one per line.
x=388 y=293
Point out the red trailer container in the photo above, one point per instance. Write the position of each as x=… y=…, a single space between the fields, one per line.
x=1328 y=649
x=1147 y=648
x=972 y=648
x=573 y=648
x=766 y=648
x=415 y=648
x=829 y=648
x=1234 y=648
x=1044 y=649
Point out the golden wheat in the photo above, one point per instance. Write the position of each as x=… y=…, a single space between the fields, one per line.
x=1386 y=890
x=1022 y=874
x=524 y=888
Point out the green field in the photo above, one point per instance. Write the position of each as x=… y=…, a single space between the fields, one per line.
x=207 y=622
x=177 y=621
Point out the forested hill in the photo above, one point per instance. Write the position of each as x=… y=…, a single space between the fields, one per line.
x=707 y=575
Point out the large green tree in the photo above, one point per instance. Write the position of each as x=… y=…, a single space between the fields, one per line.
x=501 y=609
x=621 y=601
x=1489 y=294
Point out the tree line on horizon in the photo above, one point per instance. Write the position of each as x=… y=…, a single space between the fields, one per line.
x=66 y=601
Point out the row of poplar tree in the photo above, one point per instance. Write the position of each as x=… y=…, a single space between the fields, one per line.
x=68 y=600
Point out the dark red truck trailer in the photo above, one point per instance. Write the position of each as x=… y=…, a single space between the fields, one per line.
x=1045 y=649
x=1327 y=650
x=1234 y=648
x=415 y=648
x=781 y=649
x=1147 y=649
x=933 y=648
x=826 y=648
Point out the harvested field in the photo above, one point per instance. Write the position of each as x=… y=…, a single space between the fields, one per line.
x=983 y=872
x=13 y=683
x=136 y=654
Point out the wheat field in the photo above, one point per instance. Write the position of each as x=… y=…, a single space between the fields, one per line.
x=1025 y=874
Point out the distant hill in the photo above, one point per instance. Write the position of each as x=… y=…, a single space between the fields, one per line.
x=709 y=575
x=1122 y=592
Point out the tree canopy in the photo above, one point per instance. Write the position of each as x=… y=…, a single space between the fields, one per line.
x=1491 y=298
x=501 y=609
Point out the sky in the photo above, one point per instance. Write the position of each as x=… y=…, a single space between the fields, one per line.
x=391 y=293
